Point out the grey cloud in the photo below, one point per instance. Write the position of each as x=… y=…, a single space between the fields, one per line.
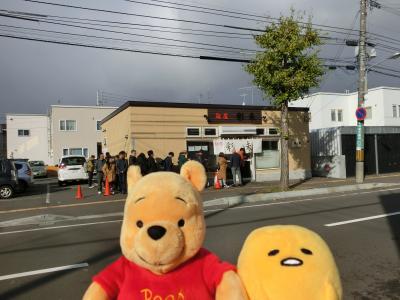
x=35 y=75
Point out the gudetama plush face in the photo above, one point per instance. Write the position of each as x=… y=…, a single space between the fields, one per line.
x=163 y=222
x=288 y=262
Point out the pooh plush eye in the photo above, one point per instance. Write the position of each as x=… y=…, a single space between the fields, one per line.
x=306 y=251
x=139 y=224
x=181 y=223
x=273 y=252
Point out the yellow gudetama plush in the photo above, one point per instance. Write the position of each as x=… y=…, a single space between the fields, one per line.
x=286 y=262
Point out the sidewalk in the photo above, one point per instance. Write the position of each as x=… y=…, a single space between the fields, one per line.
x=296 y=185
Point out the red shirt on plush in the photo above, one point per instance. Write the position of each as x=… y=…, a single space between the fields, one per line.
x=196 y=279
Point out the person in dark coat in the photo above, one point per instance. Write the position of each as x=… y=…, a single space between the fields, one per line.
x=132 y=158
x=122 y=168
x=168 y=164
x=235 y=168
x=151 y=162
x=142 y=163
x=182 y=158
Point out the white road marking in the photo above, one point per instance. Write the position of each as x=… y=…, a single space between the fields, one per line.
x=44 y=271
x=58 y=227
x=48 y=194
x=99 y=216
x=210 y=210
x=363 y=219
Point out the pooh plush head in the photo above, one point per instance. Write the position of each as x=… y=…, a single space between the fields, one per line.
x=163 y=222
x=288 y=262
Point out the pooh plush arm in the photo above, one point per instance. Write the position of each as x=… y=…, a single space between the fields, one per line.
x=95 y=292
x=231 y=288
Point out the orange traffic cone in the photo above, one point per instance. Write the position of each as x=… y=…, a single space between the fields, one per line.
x=107 y=191
x=79 y=194
x=217 y=185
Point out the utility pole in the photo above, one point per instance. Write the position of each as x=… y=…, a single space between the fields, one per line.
x=362 y=89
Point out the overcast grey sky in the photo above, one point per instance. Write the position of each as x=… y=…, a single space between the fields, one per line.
x=34 y=75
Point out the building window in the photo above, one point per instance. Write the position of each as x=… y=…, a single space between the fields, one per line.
x=340 y=115
x=67 y=125
x=394 y=111
x=193 y=131
x=260 y=131
x=98 y=125
x=333 y=115
x=76 y=151
x=210 y=131
x=270 y=156
x=273 y=131
x=369 y=112
x=24 y=132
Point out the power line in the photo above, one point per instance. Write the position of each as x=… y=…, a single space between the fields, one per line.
x=385 y=73
x=133 y=41
x=143 y=35
x=108 y=23
x=95 y=46
x=216 y=11
x=195 y=10
x=179 y=20
x=117 y=39
x=125 y=13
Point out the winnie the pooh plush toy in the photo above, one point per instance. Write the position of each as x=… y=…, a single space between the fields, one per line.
x=288 y=263
x=161 y=240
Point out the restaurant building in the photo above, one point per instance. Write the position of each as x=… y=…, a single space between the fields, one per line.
x=211 y=129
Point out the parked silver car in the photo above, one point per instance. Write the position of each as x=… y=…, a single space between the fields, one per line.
x=25 y=175
x=38 y=168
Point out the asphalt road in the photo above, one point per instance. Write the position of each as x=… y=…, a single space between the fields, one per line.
x=41 y=231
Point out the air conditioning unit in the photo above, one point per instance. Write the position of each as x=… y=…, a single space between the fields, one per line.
x=237 y=130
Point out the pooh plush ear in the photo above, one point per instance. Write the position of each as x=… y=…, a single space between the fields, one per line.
x=194 y=172
x=134 y=174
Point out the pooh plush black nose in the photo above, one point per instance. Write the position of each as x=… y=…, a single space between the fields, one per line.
x=156 y=232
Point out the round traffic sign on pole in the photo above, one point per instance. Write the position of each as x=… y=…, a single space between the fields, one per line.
x=361 y=113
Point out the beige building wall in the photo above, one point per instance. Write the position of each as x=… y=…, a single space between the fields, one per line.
x=299 y=142
x=86 y=134
x=163 y=129
x=117 y=133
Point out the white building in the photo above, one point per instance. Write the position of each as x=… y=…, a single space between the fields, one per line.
x=333 y=131
x=28 y=137
x=330 y=110
x=75 y=130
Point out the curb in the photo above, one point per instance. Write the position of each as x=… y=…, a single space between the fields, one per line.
x=236 y=200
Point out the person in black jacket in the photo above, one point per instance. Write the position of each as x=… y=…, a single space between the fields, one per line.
x=142 y=162
x=235 y=168
x=151 y=162
x=122 y=168
x=168 y=164
x=132 y=158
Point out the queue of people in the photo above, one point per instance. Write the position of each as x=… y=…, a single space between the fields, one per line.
x=236 y=164
x=115 y=168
